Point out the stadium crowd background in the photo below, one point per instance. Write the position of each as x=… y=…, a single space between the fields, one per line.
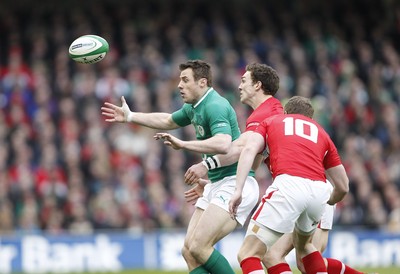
x=63 y=169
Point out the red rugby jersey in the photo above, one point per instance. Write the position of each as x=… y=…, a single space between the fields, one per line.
x=268 y=108
x=298 y=146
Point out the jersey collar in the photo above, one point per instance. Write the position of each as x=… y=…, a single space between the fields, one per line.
x=204 y=96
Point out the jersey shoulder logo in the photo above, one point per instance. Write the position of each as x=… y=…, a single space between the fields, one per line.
x=222 y=124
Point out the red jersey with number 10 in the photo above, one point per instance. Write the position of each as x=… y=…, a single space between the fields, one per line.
x=298 y=146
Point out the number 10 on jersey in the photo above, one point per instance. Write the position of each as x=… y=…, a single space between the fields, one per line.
x=301 y=128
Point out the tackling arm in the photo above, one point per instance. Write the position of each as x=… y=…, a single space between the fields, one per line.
x=246 y=159
x=254 y=145
x=200 y=170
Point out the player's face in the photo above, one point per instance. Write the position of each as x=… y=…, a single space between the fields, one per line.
x=246 y=88
x=190 y=89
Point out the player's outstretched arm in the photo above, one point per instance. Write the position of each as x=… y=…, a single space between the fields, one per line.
x=157 y=120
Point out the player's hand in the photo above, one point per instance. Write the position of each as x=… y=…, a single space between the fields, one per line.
x=234 y=203
x=194 y=173
x=169 y=140
x=115 y=113
x=194 y=193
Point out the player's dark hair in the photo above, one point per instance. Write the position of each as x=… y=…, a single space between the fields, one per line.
x=266 y=75
x=201 y=69
x=299 y=105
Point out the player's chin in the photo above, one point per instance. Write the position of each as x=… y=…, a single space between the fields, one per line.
x=187 y=100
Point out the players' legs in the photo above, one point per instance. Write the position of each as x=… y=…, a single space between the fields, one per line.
x=311 y=257
x=306 y=226
x=320 y=241
x=284 y=245
x=279 y=251
x=213 y=225
x=255 y=246
x=250 y=254
x=275 y=215
x=190 y=261
x=216 y=222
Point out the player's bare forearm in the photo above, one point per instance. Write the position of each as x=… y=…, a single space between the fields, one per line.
x=218 y=144
x=156 y=120
x=336 y=197
x=244 y=165
x=338 y=177
x=254 y=145
x=114 y=113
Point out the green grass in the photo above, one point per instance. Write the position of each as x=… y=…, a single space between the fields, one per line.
x=391 y=270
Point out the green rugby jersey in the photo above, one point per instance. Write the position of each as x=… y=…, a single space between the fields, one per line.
x=213 y=114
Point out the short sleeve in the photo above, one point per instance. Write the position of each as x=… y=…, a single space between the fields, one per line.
x=181 y=117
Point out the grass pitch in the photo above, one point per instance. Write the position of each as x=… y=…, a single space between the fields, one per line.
x=389 y=270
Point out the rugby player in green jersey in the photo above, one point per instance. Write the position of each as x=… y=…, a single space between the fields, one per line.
x=216 y=127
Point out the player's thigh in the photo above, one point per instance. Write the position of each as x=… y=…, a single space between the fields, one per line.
x=263 y=238
x=214 y=224
x=194 y=220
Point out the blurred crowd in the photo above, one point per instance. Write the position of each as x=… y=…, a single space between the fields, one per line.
x=64 y=169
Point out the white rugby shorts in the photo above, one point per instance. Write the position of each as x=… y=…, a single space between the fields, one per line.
x=327 y=216
x=293 y=201
x=220 y=193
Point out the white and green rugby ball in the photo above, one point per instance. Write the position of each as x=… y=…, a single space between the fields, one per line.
x=88 y=49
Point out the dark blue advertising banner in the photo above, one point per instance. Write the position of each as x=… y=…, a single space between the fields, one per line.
x=112 y=252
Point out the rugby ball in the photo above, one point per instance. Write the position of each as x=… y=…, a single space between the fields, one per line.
x=88 y=49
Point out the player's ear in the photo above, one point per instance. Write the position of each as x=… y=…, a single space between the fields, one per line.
x=203 y=82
